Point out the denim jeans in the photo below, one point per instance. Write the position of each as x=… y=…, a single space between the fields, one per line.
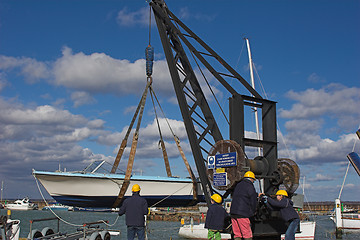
x=291 y=230
x=132 y=231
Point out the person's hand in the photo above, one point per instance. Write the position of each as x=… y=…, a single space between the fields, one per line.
x=263 y=197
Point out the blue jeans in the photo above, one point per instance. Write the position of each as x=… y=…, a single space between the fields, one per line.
x=291 y=230
x=132 y=231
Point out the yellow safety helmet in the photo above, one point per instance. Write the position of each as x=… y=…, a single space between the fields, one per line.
x=250 y=174
x=135 y=188
x=282 y=192
x=216 y=197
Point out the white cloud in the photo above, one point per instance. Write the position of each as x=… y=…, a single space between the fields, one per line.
x=100 y=73
x=41 y=115
x=127 y=18
x=31 y=69
x=315 y=78
x=321 y=177
x=332 y=99
x=185 y=14
x=82 y=98
x=312 y=149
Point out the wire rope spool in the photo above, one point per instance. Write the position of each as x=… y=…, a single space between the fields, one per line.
x=105 y=235
x=290 y=173
x=149 y=54
x=47 y=231
x=95 y=236
x=35 y=234
x=233 y=173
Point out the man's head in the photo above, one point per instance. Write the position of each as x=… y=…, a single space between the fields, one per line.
x=216 y=198
x=280 y=194
x=135 y=188
x=250 y=175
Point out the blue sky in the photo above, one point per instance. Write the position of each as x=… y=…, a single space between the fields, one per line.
x=72 y=72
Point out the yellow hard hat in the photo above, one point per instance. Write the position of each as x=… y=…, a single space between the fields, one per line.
x=249 y=174
x=282 y=192
x=216 y=197
x=135 y=188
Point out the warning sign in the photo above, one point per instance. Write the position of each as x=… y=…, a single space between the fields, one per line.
x=211 y=162
x=225 y=160
x=220 y=179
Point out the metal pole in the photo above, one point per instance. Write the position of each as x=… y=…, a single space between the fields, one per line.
x=253 y=85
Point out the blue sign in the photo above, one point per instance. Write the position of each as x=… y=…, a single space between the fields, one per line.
x=211 y=162
x=219 y=179
x=225 y=160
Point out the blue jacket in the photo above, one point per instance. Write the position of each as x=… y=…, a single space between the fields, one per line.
x=215 y=217
x=134 y=208
x=285 y=206
x=244 y=200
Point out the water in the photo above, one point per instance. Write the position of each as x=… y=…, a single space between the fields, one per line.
x=158 y=230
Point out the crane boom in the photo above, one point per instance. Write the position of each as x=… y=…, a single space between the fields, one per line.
x=202 y=127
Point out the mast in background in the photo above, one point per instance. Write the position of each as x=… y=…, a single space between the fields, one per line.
x=253 y=85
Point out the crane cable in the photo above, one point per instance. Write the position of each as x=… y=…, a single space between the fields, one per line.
x=207 y=82
x=212 y=92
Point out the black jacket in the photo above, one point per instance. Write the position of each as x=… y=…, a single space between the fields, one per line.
x=244 y=200
x=285 y=206
x=215 y=217
x=134 y=208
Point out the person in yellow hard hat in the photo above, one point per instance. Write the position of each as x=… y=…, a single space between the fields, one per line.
x=135 y=209
x=215 y=217
x=243 y=206
x=288 y=213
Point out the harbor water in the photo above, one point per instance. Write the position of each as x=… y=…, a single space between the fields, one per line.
x=157 y=230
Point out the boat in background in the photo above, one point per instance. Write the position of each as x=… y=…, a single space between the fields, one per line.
x=347 y=221
x=23 y=205
x=198 y=231
x=56 y=207
x=91 y=188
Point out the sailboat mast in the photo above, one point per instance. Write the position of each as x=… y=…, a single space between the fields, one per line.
x=253 y=85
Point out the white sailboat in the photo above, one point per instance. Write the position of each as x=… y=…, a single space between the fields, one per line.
x=346 y=221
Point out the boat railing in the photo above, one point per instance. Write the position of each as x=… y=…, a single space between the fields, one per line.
x=355 y=216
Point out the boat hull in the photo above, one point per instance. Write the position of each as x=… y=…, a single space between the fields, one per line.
x=350 y=221
x=101 y=190
x=19 y=208
x=198 y=231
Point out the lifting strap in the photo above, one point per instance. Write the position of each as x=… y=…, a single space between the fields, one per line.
x=177 y=141
x=130 y=164
x=124 y=141
x=166 y=159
